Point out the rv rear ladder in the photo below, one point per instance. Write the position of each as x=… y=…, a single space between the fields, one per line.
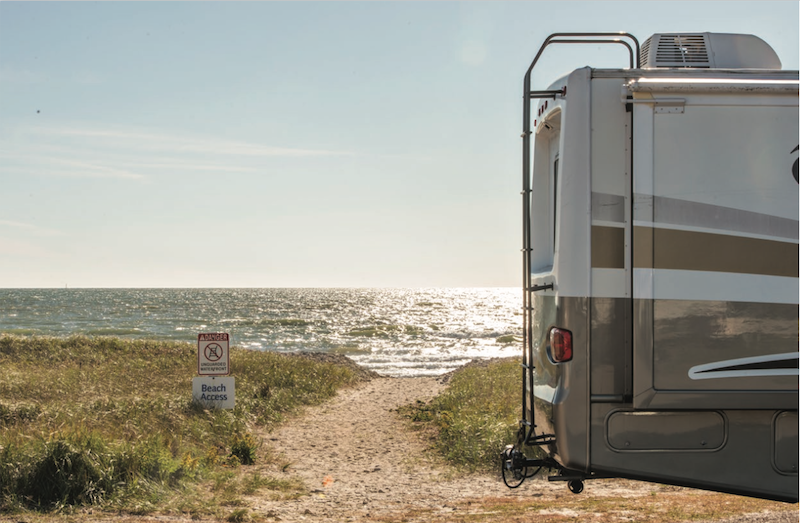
x=620 y=38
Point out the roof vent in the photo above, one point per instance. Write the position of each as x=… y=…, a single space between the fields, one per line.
x=708 y=51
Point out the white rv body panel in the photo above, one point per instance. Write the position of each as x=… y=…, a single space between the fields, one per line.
x=610 y=184
x=573 y=198
x=695 y=285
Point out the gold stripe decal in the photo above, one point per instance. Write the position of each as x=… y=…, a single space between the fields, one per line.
x=698 y=251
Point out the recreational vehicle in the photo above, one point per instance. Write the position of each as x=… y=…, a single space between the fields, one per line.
x=660 y=268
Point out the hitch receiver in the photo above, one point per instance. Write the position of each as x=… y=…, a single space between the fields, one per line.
x=515 y=466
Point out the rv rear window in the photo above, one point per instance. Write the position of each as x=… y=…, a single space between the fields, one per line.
x=544 y=182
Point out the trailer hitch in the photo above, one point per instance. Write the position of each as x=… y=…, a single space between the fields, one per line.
x=516 y=468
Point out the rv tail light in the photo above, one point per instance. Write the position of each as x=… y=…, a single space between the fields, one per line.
x=560 y=345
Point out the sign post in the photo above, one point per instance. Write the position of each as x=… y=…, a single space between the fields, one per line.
x=214 y=388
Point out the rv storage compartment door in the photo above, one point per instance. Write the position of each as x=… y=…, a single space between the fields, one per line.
x=715 y=250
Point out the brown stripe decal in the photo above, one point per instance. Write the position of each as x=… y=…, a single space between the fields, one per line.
x=608 y=247
x=698 y=251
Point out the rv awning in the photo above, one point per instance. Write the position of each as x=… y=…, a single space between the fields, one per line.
x=713 y=85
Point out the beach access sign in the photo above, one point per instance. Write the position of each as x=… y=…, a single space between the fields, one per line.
x=213 y=354
x=216 y=392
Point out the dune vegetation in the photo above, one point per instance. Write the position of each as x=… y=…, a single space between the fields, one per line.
x=475 y=417
x=111 y=423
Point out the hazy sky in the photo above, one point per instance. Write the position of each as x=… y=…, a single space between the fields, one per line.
x=297 y=144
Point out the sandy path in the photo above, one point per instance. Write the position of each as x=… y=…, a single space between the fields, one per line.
x=361 y=463
x=376 y=465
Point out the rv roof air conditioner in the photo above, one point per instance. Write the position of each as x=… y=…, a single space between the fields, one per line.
x=708 y=51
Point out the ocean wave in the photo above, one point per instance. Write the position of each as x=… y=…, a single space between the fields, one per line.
x=351 y=350
x=385 y=331
x=433 y=304
x=19 y=332
x=113 y=331
x=287 y=322
x=268 y=322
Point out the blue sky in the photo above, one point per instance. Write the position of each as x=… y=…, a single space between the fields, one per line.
x=288 y=144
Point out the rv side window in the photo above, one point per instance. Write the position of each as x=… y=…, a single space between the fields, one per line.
x=555 y=199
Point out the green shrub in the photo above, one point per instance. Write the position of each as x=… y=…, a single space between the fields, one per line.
x=10 y=415
x=66 y=474
x=476 y=416
x=244 y=448
x=238 y=515
x=14 y=466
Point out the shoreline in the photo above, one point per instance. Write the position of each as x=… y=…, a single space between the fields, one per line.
x=364 y=373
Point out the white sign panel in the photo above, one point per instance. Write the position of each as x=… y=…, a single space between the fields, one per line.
x=213 y=356
x=217 y=392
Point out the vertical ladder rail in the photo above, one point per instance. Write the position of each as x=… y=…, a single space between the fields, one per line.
x=529 y=426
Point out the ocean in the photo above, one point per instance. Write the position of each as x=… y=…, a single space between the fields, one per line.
x=395 y=332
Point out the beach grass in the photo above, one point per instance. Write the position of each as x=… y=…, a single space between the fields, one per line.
x=111 y=423
x=475 y=417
